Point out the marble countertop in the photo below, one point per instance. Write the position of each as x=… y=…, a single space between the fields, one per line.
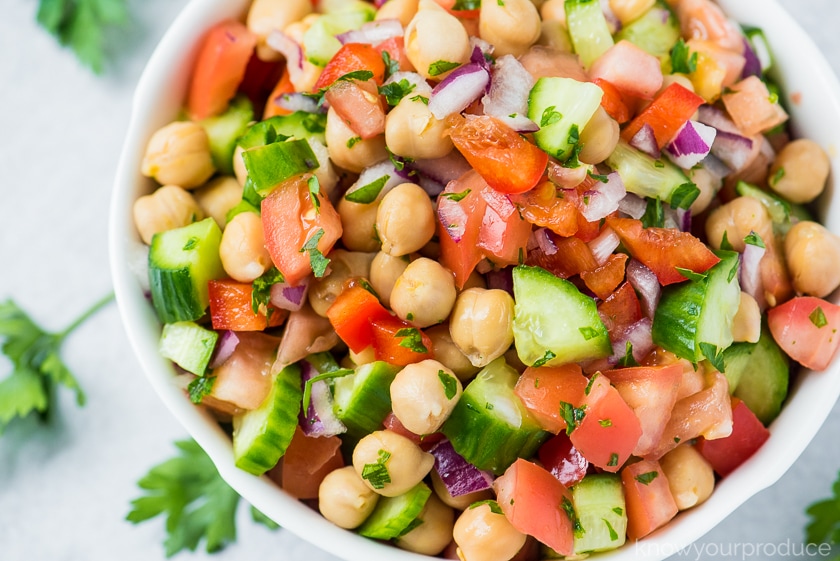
x=65 y=489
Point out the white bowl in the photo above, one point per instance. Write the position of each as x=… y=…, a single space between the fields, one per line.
x=800 y=70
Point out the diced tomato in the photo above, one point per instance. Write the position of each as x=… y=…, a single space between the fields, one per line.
x=284 y=86
x=244 y=379
x=537 y=504
x=748 y=434
x=449 y=6
x=648 y=498
x=542 y=390
x=359 y=105
x=260 y=79
x=609 y=430
x=633 y=71
x=604 y=279
x=750 y=105
x=806 y=328
x=351 y=315
x=503 y=235
x=219 y=68
x=560 y=457
x=588 y=231
x=548 y=207
x=395 y=47
x=620 y=310
x=651 y=392
x=398 y=342
x=231 y=308
x=731 y=62
x=612 y=101
x=426 y=441
x=352 y=57
x=306 y=463
x=459 y=223
x=663 y=250
x=508 y=162
x=290 y=220
x=703 y=19
x=572 y=257
x=668 y=112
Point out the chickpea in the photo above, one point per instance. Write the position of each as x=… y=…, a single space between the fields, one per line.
x=813 y=258
x=449 y=354
x=365 y=357
x=404 y=463
x=402 y=10
x=218 y=197
x=412 y=131
x=424 y=45
x=239 y=170
x=630 y=10
x=169 y=207
x=746 y=325
x=800 y=171
x=343 y=265
x=737 y=219
x=344 y=499
x=708 y=184
x=424 y=293
x=352 y=156
x=267 y=15
x=483 y=535
x=482 y=324
x=384 y=272
x=554 y=10
x=435 y=532
x=511 y=26
x=423 y=395
x=461 y=502
x=599 y=137
x=358 y=225
x=179 y=154
x=690 y=476
x=242 y=251
x=405 y=220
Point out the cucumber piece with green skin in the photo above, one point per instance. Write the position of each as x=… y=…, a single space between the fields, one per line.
x=655 y=179
x=300 y=125
x=319 y=41
x=562 y=107
x=759 y=375
x=553 y=322
x=224 y=131
x=599 y=505
x=181 y=262
x=588 y=29
x=694 y=318
x=395 y=516
x=489 y=426
x=274 y=163
x=188 y=345
x=780 y=210
x=655 y=32
x=261 y=436
x=363 y=399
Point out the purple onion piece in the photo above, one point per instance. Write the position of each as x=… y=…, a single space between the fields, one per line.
x=501 y=279
x=507 y=98
x=443 y=170
x=639 y=336
x=604 y=245
x=319 y=418
x=633 y=205
x=749 y=274
x=453 y=218
x=459 y=476
x=287 y=297
x=714 y=117
x=645 y=141
x=732 y=149
x=752 y=67
x=375 y=173
x=288 y=47
x=297 y=102
x=692 y=143
x=603 y=199
x=646 y=284
x=432 y=187
x=544 y=241
x=228 y=340
x=477 y=57
x=715 y=166
x=458 y=90
x=373 y=32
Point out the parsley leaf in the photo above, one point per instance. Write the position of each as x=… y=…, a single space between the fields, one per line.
x=545 y=358
x=421 y=98
x=613 y=533
x=684 y=195
x=754 y=239
x=464 y=5
x=550 y=116
x=628 y=359
x=691 y=275
x=316 y=259
x=818 y=318
x=569 y=509
x=777 y=176
x=441 y=67
x=449 y=383
x=646 y=478
x=395 y=91
x=352 y=141
x=37 y=367
x=367 y=193
x=391 y=66
x=261 y=290
x=200 y=387
x=613 y=460
x=824 y=526
x=654 y=216
x=588 y=332
x=377 y=474
x=681 y=61
x=412 y=339
x=724 y=242
x=713 y=355
x=572 y=415
x=457 y=196
x=491 y=504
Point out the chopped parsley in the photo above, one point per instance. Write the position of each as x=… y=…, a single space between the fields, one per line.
x=412 y=339
x=684 y=195
x=754 y=239
x=314 y=190
x=457 y=196
x=681 y=60
x=421 y=98
x=613 y=460
x=588 y=332
x=191 y=244
x=613 y=533
x=725 y=243
x=449 y=383
x=777 y=176
x=572 y=415
x=628 y=359
x=351 y=142
x=654 y=216
x=441 y=67
x=391 y=66
x=574 y=134
x=691 y=275
x=377 y=474
x=646 y=478
x=200 y=387
x=395 y=91
x=605 y=422
x=713 y=355
x=545 y=358
x=818 y=318
x=368 y=193
x=316 y=259
x=550 y=116
x=493 y=505
x=569 y=509
x=618 y=510
x=588 y=387
x=596 y=177
x=261 y=290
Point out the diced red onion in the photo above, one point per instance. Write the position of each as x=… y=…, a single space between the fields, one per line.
x=715 y=166
x=452 y=217
x=291 y=51
x=544 y=241
x=288 y=297
x=733 y=149
x=376 y=172
x=319 y=418
x=421 y=86
x=750 y=273
x=752 y=66
x=296 y=102
x=443 y=170
x=228 y=341
x=613 y=23
x=670 y=218
x=691 y=144
x=459 y=476
x=714 y=117
x=639 y=336
x=507 y=99
x=603 y=199
x=483 y=46
x=458 y=90
x=501 y=279
x=684 y=219
x=604 y=245
x=565 y=178
x=645 y=140
x=633 y=205
x=646 y=284
x=478 y=57
x=373 y=32
x=432 y=187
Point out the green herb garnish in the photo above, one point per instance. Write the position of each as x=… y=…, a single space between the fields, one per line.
x=316 y=259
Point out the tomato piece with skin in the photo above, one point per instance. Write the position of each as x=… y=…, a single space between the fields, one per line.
x=609 y=430
x=563 y=460
x=548 y=207
x=231 y=307
x=572 y=257
x=537 y=504
x=351 y=315
x=244 y=379
x=663 y=250
x=424 y=441
x=503 y=235
x=261 y=77
x=358 y=103
x=612 y=101
x=806 y=328
x=352 y=57
x=219 y=68
x=449 y=6
x=543 y=389
x=291 y=219
x=668 y=112
x=508 y=162
x=306 y=463
x=284 y=87
x=390 y=345
x=620 y=310
x=650 y=503
x=605 y=278
x=748 y=434
x=395 y=47
x=459 y=223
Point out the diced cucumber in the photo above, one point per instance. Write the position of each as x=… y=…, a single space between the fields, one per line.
x=655 y=32
x=490 y=427
x=323 y=362
x=299 y=125
x=562 y=107
x=225 y=129
x=274 y=163
x=599 y=505
x=778 y=208
x=319 y=41
x=181 y=262
x=554 y=323
x=651 y=178
x=394 y=516
x=758 y=373
x=588 y=29
x=261 y=436
x=697 y=314
x=188 y=345
x=363 y=399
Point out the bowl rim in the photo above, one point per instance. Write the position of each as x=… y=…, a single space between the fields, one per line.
x=158 y=97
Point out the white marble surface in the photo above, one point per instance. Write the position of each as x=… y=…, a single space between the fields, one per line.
x=65 y=489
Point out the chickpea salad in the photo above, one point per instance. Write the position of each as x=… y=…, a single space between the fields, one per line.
x=489 y=279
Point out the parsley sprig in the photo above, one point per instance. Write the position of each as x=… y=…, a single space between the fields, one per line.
x=824 y=526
